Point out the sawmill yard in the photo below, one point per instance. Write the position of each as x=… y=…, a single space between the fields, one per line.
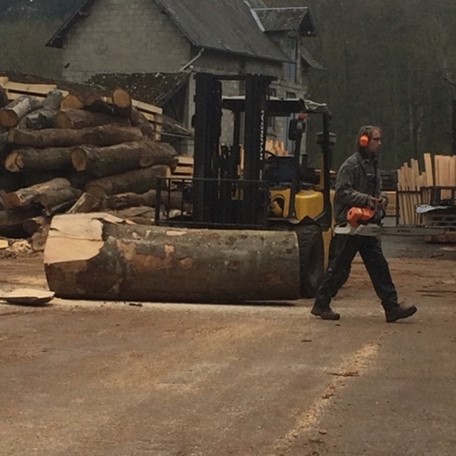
x=129 y=378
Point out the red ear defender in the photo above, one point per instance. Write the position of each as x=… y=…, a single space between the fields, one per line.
x=364 y=140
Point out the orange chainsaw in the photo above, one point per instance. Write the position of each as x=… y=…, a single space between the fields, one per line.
x=364 y=221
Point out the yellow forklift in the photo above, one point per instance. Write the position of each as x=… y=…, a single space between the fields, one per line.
x=244 y=189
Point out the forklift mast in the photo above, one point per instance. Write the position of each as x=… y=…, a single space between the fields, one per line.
x=215 y=166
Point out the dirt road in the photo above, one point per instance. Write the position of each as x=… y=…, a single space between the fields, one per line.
x=91 y=378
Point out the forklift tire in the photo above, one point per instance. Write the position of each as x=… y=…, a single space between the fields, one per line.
x=311 y=259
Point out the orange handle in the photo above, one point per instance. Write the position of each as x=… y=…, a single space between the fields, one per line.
x=357 y=215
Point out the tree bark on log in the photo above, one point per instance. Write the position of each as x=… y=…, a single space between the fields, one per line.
x=25 y=196
x=49 y=159
x=12 y=113
x=137 y=181
x=45 y=116
x=106 y=161
x=79 y=118
x=104 y=135
x=98 y=256
x=41 y=118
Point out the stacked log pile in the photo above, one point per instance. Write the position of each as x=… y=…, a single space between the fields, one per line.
x=417 y=187
x=74 y=152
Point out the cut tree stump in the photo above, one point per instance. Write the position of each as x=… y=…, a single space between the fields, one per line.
x=99 y=256
x=104 y=135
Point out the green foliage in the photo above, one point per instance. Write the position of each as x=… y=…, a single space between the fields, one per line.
x=389 y=63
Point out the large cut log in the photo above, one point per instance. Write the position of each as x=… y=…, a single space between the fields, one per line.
x=98 y=256
x=14 y=111
x=124 y=200
x=104 y=135
x=25 y=196
x=137 y=181
x=49 y=159
x=79 y=118
x=106 y=161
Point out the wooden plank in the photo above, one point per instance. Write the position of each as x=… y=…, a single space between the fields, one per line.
x=15 y=95
x=185 y=160
x=3 y=80
x=429 y=170
x=146 y=108
x=453 y=171
x=41 y=89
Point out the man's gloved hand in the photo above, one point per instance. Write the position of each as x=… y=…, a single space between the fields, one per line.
x=377 y=203
x=383 y=202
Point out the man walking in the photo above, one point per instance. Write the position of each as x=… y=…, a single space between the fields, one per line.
x=358 y=185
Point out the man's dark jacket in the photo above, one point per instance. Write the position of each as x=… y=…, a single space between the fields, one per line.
x=357 y=179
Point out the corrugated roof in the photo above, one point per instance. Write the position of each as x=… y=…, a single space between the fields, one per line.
x=284 y=19
x=221 y=25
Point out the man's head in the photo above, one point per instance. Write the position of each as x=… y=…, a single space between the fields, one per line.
x=369 y=140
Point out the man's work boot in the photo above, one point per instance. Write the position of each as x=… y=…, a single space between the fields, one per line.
x=395 y=313
x=326 y=313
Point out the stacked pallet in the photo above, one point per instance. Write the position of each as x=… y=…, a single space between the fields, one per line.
x=74 y=151
x=415 y=186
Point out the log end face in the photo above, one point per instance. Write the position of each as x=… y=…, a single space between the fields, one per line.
x=79 y=159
